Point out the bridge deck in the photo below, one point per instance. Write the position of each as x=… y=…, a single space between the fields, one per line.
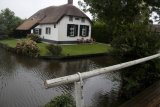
x=148 y=98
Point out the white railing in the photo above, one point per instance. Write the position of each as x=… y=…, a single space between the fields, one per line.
x=78 y=78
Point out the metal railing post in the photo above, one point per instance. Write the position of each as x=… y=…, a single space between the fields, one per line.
x=79 y=91
x=79 y=94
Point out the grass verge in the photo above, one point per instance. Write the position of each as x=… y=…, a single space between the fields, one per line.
x=67 y=50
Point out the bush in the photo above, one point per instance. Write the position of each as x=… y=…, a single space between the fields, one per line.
x=27 y=47
x=101 y=32
x=65 y=100
x=34 y=37
x=54 y=49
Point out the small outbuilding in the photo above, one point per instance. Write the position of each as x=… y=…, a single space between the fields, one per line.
x=59 y=24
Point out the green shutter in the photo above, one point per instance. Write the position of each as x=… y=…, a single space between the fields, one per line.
x=40 y=31
x=81 y=26
x=87 y=30
x=76 y=30
x=68 y=30
x=34 y=31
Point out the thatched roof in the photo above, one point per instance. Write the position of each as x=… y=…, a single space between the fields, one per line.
x=28 y=24
x=51 y=15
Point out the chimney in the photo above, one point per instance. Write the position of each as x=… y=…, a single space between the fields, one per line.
x=70 y=1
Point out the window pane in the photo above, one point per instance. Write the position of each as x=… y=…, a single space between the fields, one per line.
x=77 y=18
x=84 y=30
x=83 y=19
x=48 y=30
x=70 y=18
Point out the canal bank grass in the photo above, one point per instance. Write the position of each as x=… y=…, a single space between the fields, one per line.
x=67 y=50
x=85 y=49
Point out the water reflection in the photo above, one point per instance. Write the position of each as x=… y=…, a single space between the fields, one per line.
x=22 y=78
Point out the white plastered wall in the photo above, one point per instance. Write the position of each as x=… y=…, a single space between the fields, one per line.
x=63 y=29
x=54 y=32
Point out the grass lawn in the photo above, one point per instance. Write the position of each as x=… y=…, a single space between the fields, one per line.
x=9 y=42
x=67 y=50
x=83 y=49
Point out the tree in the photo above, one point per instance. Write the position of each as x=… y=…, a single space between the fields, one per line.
x=8 y=21
x=132 y=38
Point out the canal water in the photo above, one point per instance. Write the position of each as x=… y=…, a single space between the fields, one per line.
x=22 y=81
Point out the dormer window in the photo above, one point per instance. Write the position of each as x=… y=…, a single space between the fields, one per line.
x=83 y=19
x=77 y=18
x=70 y=18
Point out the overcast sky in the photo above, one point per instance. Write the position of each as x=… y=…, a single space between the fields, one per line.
x=26 y=8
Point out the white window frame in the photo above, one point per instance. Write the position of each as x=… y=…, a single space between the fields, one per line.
x=48 y=30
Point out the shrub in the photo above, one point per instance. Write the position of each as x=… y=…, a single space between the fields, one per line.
x=65 y=100
x=34 y=37
x=27 y=47
x=54 y=49
x=101 y=32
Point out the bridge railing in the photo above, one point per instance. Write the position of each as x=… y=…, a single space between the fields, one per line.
x=78 y=78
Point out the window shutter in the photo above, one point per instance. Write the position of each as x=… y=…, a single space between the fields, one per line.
x=76 y=30
x=46 y=30
x=68 y=30
x=40 y=31
x=81 y=26
x=87 y=34
x=34 y=31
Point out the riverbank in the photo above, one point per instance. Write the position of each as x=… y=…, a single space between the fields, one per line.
x=68 y=51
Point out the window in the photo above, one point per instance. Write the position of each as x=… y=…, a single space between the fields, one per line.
x=83 y=20
x=54 y=25
x=72 y=30
x=76 y=18
x=48 y=30
x=37 y=31
x=84 y=30
x=70 y=18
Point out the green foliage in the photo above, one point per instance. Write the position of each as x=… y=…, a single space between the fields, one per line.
x=8 y=21
x=120 y=11
x=135 y=41
x=54 y=49
x=27 y=47
x=65 y=100
x=101 y=32
x=128 y=22
x=137 y=78
x=34 y=37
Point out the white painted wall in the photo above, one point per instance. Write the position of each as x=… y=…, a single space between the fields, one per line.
x=62 y=32
x=54 y=32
